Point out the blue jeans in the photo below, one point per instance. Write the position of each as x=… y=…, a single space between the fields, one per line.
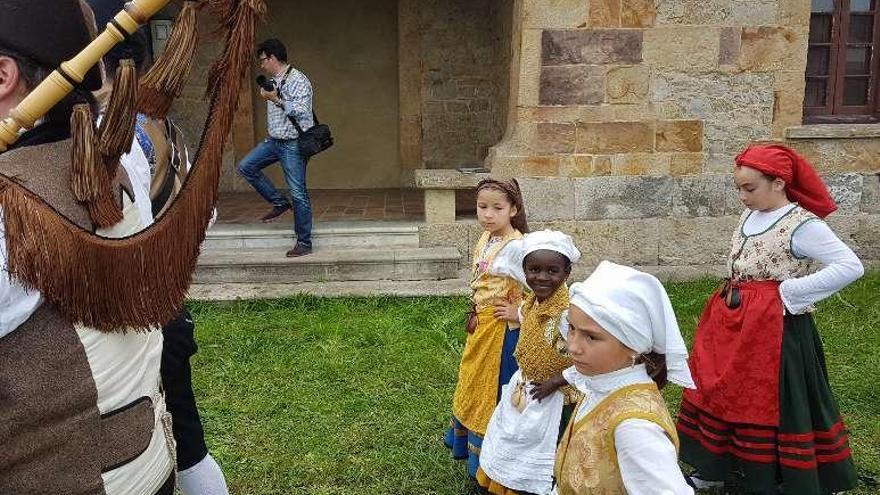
x=285 y=151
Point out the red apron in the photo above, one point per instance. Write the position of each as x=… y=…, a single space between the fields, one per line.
x=736 y=356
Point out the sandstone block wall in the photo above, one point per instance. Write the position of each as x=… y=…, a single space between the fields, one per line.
x=689 y=82
x=678 y=227
x=465 y=72
x=629 y=114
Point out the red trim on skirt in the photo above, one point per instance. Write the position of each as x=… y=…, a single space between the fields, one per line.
x=764 y=445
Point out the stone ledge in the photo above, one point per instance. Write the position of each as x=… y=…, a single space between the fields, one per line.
x=446 y=179
x=833 y=131
x=371 y=288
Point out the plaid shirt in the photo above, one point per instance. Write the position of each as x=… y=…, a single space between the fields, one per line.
x=296 y=97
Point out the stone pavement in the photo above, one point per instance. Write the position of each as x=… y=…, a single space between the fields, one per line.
x=330 y=205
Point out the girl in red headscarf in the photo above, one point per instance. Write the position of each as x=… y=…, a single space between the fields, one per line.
x=763 y=417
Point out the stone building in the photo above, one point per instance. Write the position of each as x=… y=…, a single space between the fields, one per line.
x=620 y=118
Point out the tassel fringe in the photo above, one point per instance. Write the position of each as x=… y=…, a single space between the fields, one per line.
x=116 y=133
x=89 y=178
x=166 y=79
x=140 y=281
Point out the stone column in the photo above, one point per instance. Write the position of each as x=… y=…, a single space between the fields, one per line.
x=410 y=98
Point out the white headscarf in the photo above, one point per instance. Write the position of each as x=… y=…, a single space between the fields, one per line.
x=509 y=261
x=633 y=307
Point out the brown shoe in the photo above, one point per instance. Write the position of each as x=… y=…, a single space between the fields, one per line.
x=273 y=214
x=299 y=250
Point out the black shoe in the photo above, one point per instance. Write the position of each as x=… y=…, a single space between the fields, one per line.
x=697 y=482
x=299 y=250
x=274 y=213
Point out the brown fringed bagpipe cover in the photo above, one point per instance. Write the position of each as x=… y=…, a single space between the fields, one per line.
x=139 y=281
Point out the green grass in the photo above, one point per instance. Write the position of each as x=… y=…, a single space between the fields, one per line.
x=350 y=396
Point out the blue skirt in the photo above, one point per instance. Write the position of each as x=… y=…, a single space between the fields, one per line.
x=465 y=444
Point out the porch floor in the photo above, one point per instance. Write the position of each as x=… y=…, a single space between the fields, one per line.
x=330 y=205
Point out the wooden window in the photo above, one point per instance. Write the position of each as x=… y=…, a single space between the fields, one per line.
x=842 y=62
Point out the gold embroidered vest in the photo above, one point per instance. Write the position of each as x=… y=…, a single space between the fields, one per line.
x=540 y=351
x=488 y=288
x=586 y=462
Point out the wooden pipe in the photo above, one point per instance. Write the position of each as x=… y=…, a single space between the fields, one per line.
x=60 y=83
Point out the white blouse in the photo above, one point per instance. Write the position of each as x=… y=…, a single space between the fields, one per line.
x=647 y=458
x=816 y=241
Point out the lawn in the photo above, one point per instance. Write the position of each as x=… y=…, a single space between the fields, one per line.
x=350 y=396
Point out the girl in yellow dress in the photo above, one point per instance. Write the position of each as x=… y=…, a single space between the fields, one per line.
x=487 y=361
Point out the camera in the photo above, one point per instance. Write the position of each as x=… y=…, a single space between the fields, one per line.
x=265 y=83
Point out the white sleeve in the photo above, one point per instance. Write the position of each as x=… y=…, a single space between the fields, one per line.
x=647 y=459
x=840 y=267
x=508 y=262
x=16 y=304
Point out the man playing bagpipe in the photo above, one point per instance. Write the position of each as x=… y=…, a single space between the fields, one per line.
x=84 y=286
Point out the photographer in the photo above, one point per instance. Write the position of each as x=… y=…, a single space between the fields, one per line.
x=288 y=95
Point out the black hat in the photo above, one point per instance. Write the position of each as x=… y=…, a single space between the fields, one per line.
x=49 y=32
x=135 y=47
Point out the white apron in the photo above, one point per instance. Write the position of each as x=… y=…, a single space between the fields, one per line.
x=519 y=448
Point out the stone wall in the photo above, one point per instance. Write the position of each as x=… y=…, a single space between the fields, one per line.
x=639 y=87
x=677 y=227
x=464 y=58
x=349 y=51
x=629 y=114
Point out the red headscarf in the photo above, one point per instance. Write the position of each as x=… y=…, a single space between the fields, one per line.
x=802 y=184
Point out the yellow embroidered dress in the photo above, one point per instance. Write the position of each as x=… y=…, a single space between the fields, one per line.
x=487 y=360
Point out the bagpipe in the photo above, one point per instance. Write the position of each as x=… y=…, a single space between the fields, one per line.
x=61 y=82
x=140 y=281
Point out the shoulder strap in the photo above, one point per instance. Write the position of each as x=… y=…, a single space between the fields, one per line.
x=292 y=119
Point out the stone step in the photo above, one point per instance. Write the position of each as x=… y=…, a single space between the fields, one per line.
x=328 y=235
x=221 y=266
x=352 y=288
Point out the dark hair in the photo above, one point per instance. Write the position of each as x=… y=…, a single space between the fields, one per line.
x=32 y=73
x=273 y=47
x=655 y=364
x=511 y=189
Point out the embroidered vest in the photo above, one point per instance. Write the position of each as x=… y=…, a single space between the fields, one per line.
x=488 y=288
x=586 y=462
x=768 y=255
x=540 y=351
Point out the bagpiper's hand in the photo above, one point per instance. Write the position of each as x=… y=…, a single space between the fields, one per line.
x=541 y=391
x=506 y=311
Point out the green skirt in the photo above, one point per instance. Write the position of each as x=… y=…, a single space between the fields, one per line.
x=808 y=453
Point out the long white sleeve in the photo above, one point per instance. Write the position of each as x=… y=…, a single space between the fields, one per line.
x=16 y=304
x=647 y=459
x=840 y=267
